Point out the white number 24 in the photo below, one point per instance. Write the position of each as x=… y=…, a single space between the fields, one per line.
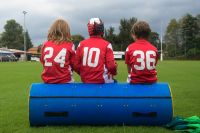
x=60 y=57
x=141 y=60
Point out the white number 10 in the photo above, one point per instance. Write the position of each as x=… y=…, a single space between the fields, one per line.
x=87 y=57
x=149 y=60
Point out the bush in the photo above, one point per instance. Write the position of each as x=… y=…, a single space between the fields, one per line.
x=193 y=52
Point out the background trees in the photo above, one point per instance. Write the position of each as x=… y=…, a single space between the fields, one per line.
x=76 y=39
x=124 y=35
x=13 y=36
x=171 y=38
x=121 y=40
x=182 y=37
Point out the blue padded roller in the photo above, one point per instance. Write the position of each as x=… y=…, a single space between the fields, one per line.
x=100 y=104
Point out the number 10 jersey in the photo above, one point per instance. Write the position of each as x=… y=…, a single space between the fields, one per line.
x=94 y=61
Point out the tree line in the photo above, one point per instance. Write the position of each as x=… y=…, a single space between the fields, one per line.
x=13 y=36
x=121 y=40
x=182 y=37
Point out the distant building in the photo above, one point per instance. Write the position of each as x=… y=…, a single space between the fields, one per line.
x=33 y=51
x=119 y=54
x=33 y=54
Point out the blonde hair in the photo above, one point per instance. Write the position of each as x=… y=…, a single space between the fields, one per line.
x=59 y=32
x=141 y=29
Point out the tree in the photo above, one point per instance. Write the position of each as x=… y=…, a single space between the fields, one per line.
x=28 y=41
x=188 y=25
x=124 y=36
x=109 y=34
x=183 y=36
x=172 y=37
x=197 y=40
x=13 y=36
x=111 y=37
x=154 y=39
x=76 y=39
x=1 y=44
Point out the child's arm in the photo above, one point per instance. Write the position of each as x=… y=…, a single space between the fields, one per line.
x=111 y=65
x=156 y=58
x=129 y=68
x=42 y=54
x=127 y=58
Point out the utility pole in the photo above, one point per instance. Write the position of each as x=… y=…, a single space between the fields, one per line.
x=185 y=49
x=25 y=58
x=161 y=40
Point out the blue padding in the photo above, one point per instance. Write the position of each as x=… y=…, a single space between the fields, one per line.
x=99 y=90
x=100 y=104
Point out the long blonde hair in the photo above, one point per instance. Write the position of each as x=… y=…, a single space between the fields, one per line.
x=59 y=32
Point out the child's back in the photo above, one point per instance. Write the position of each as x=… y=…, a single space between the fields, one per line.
x=141 y=56
x=57 y=54
x=94 y=57
x=56 y=61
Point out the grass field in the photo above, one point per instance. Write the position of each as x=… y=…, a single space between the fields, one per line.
x=16 y=78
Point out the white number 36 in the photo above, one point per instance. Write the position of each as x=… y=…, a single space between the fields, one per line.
x=150 y=62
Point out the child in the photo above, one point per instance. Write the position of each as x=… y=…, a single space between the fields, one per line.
x=57 y=54
x=94 y=59
x=141 y=56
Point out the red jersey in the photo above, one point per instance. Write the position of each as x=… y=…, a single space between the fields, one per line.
x=142 y=57
x=94 y=61
x=57 y=62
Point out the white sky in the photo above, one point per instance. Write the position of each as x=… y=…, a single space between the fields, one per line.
x=41 y=13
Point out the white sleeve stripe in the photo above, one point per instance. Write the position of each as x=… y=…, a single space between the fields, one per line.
x=73 y=47
x=109 y=46
x=79 y=45
x=127 y=49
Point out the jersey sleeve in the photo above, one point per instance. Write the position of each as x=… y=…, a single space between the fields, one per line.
x=110 y=61
x=157 y=56
x=72 y=56
x=127 y=57
x=77 y=59
x=42 y=54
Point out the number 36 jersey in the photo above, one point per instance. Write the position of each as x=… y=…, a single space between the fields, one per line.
x=57 y=62
x=94 y=61
x=142 y=58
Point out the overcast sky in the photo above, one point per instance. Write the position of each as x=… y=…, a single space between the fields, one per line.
x=42 y=13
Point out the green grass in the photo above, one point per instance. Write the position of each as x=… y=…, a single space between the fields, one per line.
x=16 y=78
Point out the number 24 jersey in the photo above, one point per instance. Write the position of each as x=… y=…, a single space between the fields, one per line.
x=57 y=62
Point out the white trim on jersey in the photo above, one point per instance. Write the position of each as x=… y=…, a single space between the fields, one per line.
x=73 y=47
x=71 y=74
x=105 y=76
x=79 y=45
x=129 y=78
x=110 y=46
x=127 y=49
